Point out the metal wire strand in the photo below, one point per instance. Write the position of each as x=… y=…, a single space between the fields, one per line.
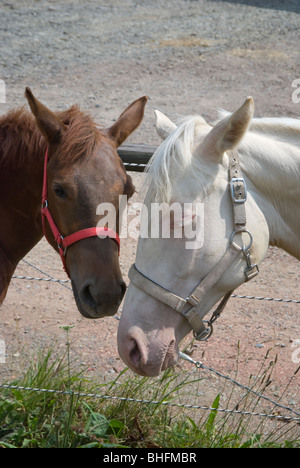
x=198 y=364
x=151 y=402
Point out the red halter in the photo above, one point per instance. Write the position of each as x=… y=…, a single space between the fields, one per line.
x=65 y=242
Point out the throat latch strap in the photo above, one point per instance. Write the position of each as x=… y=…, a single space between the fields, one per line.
x=238 y=191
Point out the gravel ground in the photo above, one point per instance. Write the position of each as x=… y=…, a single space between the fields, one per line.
x=188 y=57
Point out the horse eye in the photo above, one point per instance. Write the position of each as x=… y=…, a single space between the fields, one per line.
x=59 y=192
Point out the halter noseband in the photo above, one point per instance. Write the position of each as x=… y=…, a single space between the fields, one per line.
x=191 y=306
x=64 y=242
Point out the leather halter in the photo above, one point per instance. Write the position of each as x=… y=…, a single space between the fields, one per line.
x=191 y=306
x=64 y=242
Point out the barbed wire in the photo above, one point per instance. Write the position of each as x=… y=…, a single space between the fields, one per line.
x=261 y=298
x=32 y=278
x=151 y=402
x=200 y=365
x=65 y=282
x=49 y=277
x=197 y=364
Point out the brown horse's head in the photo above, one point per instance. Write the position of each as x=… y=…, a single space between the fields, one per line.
x=83 y=172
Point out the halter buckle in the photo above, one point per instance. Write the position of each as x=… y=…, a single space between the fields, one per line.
x=238 y=190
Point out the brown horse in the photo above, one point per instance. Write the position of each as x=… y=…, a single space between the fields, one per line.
x=82 y=170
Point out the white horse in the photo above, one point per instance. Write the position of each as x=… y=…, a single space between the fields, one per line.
x=245 y=173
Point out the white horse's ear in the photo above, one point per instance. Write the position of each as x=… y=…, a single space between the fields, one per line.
x=228 y=133
x=164 y=126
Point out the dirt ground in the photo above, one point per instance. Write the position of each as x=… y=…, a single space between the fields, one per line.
x=188 y=57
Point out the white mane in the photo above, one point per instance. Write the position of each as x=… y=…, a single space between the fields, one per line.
x=173 y=157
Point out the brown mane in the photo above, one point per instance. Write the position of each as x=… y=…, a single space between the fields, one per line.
x=80 y=138
x=21 y=142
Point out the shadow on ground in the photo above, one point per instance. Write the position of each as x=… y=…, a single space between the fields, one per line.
x=285 y=5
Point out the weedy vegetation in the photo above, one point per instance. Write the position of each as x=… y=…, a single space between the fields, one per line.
x=133 y=412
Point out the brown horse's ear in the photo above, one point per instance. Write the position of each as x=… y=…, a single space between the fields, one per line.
x=51 y=127
x=128 y=121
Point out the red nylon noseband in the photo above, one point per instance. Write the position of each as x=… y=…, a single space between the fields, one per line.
x=65 y=242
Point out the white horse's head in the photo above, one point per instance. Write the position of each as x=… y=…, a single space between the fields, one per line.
x=189 y=171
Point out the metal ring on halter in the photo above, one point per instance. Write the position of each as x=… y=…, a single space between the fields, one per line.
x=60 y=246
x=236 y=246
x=205 y=334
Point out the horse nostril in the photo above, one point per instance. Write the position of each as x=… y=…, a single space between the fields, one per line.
x=92 y=297
x=135 y=355
x=87 y=296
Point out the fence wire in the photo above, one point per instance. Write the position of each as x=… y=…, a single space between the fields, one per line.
x=152 y=402
x=65 y=282
x=198 y=364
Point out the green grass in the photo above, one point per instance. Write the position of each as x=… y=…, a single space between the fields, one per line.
x=52 y=420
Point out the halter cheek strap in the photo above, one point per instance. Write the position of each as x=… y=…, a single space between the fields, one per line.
x=191 y=307
x=64 y=242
